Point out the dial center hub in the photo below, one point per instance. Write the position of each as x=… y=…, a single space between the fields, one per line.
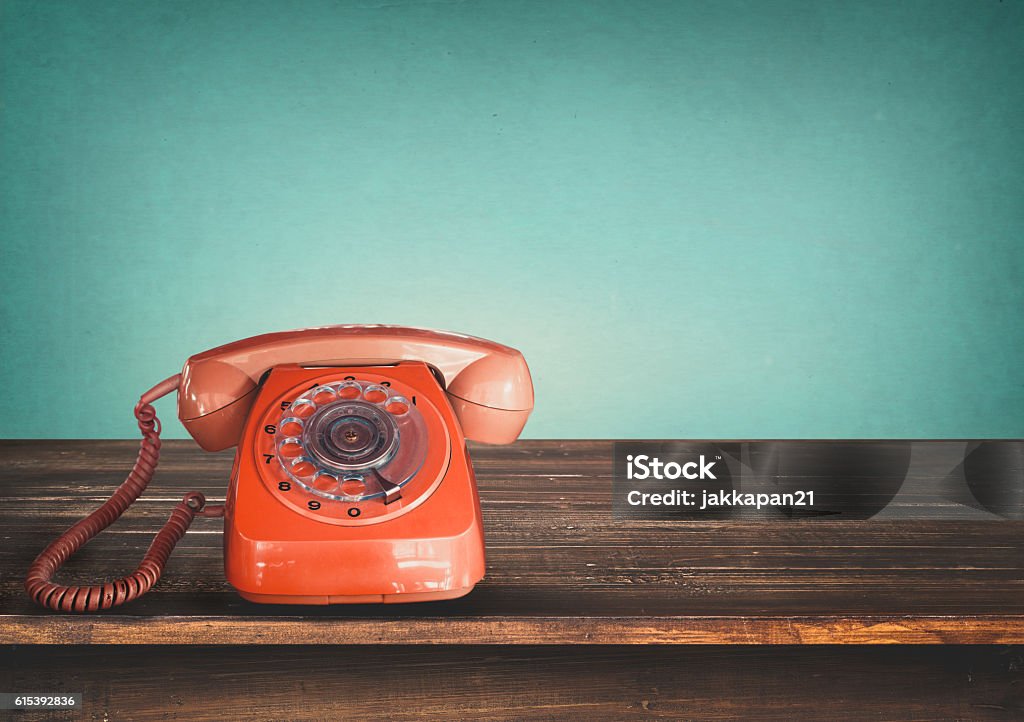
x=351 y=435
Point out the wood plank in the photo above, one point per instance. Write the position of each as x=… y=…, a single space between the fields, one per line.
x=203 y=684
x=560 y=568
x=504 y=630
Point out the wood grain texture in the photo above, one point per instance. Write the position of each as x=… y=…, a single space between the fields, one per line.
x=203 y=684
x=560 y=569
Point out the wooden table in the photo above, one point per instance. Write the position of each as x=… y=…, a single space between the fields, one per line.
x=560 y=572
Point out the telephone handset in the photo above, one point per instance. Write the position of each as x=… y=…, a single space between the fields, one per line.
x=351 y=480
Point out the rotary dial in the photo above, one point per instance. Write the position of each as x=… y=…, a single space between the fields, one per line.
x=351 y=441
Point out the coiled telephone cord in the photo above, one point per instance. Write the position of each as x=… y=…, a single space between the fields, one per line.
x=73 y=598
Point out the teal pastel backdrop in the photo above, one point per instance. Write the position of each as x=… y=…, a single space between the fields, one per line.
x=696 y=219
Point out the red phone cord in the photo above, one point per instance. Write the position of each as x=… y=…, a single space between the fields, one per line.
x=104 y=596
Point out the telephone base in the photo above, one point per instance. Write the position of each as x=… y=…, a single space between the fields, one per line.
x=320 y=599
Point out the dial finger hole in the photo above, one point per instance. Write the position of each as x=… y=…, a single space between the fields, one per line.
x=323 y=395
x=325 y=482
x=397 y=405
x=303 y=408
x=375 y=394
x=353 y=486
x=303 y=467
x=290 y=448
x=291 y=426
x=349 y=390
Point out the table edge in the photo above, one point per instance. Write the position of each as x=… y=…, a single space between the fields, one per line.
x=506 y=630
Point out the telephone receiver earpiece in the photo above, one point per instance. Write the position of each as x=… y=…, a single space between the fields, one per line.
x=487 y=384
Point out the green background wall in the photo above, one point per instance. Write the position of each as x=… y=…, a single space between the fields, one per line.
x=721 y=219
